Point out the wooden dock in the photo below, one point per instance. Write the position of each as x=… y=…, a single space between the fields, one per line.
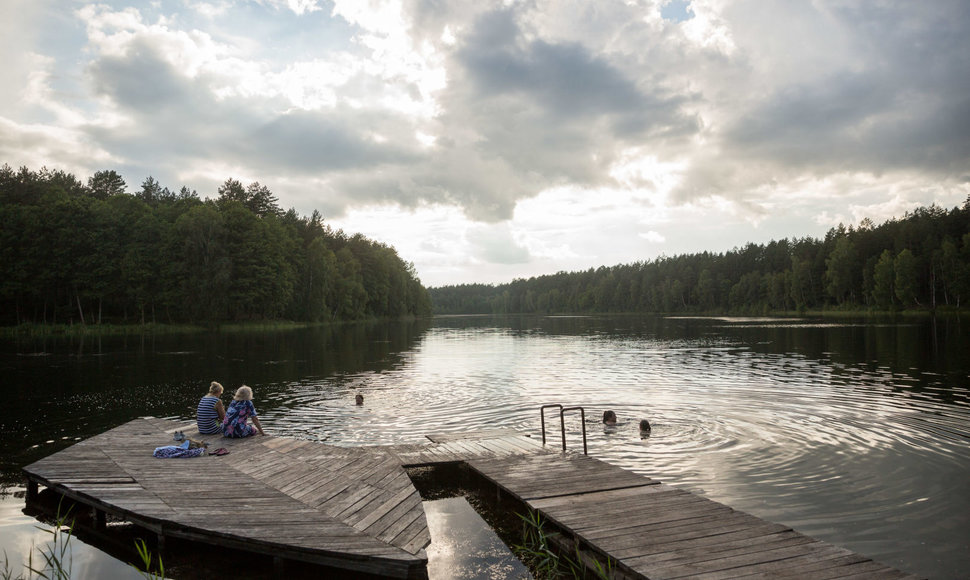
x=654 y=531
x=355 y=508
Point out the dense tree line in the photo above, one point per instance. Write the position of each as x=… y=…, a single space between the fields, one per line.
x=921 y=261
x=72 y=252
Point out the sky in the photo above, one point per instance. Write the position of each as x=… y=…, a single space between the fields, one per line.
x=489 y=141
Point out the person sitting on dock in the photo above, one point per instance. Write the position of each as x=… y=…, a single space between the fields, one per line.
x=240 y=410
x=211 y=412
x=609 y=418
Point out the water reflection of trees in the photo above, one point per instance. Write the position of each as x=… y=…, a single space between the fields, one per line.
x=78 y=387
x=913 y=354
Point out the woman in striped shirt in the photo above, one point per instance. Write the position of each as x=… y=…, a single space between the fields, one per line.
x=211 y=412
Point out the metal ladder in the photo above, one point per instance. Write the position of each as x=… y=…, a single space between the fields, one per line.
x=562 y=423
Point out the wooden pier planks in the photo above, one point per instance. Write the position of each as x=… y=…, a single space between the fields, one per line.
x=655 y=531
x=266 y=496
x=356 y=507
x=533 y=477
x=348 y=507
x=457 y=447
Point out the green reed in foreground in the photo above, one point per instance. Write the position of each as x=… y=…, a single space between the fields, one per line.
x=55 y=561
x=545 y=560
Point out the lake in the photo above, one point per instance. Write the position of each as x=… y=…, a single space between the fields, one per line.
x=852 y=430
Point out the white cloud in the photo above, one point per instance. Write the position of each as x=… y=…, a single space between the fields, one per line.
x=303 y=6
x=38 y=93
x=829 y=221
x=524 y=137
x=38 y=145
x=707 y=29
x=210 y=10
x=496 y=244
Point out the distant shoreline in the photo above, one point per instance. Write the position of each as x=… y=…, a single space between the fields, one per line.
x=76 y=330
x=31 y=330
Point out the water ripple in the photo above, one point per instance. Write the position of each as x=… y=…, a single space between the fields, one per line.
x=852 y=452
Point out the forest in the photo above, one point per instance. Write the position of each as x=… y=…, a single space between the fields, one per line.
x=93 y=253
x=918 y=262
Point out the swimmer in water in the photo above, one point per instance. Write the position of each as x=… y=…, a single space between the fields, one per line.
x=609 y=418
x=359 y=399
x=644 y=428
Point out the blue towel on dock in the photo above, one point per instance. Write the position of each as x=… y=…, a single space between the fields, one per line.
x=180 y=451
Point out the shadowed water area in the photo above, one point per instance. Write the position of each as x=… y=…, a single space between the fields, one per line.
x=854 y=431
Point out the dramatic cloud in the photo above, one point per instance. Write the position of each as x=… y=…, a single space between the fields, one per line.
x=488 y=141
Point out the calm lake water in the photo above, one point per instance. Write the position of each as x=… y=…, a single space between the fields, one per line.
x=854 y=431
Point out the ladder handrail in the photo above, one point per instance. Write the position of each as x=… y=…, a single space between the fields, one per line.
x=562 y=423
x=542 y=414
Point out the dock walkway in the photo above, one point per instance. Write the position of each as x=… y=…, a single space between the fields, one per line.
x=355 y=508
x=651 y=530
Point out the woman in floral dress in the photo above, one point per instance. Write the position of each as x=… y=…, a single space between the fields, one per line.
x=240 y=411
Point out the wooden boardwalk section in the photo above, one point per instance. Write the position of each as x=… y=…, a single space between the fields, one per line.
x=655 y=531
x=355 y=508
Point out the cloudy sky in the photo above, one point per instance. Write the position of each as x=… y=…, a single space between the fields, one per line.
x=488 y=141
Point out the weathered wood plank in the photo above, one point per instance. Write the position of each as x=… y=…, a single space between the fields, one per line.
x=421 y=539
x=309 y=494
x=350 y=501
x=715 y=547
x=461 y=435
x=657 y=493
x=325 y=493
x=675 y=527
x=618 y=512
x=364 y=521
x=798 y=567
x=293 y=473
x=684 y=568
x=654 y=540
x=527 y=444
x=497 y=447
x=391 y=532
x=414 y=537
x=390 y=524
x=516 y=445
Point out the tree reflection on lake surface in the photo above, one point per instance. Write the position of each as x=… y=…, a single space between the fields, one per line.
x=855 y=431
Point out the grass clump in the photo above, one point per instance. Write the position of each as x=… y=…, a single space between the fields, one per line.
x=55 y=560
x=542 y=553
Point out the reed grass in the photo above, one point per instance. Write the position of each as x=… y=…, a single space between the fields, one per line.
x=146 y=559
x=83 y=330
x=541 y=552
x=55 y=560
x=34 y=330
